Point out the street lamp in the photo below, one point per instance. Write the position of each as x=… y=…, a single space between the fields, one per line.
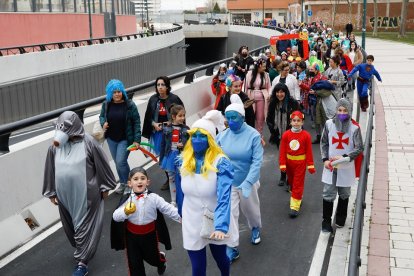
x=364 y=18
x=90 y=19
x=263 y=13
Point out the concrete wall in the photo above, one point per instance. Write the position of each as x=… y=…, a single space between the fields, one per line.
x=22 y=169
x=36 y=83
x=38 y=64
x=37 y=28
x=249 y=36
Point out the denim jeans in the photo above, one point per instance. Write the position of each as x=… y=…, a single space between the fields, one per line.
x=120 y=155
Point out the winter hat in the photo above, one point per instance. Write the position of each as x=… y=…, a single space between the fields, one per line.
x=112 y=86
x=236 y=105
x=209 y=122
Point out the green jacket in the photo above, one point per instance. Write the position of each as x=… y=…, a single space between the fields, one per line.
x=132 y=120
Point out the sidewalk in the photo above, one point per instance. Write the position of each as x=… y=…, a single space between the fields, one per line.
x=388 y=246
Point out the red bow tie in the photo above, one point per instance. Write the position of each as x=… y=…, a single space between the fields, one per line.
x=140 y=196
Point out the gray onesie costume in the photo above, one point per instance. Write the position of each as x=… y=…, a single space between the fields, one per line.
x=77 y=172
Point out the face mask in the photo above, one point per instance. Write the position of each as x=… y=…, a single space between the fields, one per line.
x=342 y=117
x=199 y=142
x=296 y=129
x=244 y=54
x=61 y=138
x=312 y=74
x=319 y=43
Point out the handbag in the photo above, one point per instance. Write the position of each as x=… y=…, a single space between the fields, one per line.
x=98 y=132
x=207 y=224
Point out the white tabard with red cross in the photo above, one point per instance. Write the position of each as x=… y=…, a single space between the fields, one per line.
x=340 y=143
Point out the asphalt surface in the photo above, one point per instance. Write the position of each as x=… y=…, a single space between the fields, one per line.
x=287 y=245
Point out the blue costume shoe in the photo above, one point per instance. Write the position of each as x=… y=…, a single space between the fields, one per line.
x=255 y=239
x=232 y=253
x=80 y=270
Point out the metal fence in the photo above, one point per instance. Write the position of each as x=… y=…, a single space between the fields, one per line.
x=78 y=43
x=360 y=204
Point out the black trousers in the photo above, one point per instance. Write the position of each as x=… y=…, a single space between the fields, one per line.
x=142 y=248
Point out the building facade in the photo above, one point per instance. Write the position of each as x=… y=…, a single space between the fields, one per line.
x=31 y=22
x=388 y=19
x=251 y=11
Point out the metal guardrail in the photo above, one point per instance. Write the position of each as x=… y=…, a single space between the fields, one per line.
x=78 y=43
x=79 y=108
x=360 y=204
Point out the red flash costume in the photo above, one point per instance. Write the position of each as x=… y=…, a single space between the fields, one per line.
x=294 y=158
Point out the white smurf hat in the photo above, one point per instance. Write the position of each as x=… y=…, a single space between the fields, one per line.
x=236 y=105
x=209 y=122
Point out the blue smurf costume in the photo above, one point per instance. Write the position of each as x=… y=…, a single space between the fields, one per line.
x=247 y=164
x=204 y=183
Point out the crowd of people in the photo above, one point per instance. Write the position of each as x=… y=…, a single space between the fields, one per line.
x=210 y=180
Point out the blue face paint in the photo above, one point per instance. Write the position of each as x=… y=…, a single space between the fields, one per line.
x=199 y=142
x=235 y=120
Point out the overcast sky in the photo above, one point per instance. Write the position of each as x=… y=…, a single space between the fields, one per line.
x=181 y=4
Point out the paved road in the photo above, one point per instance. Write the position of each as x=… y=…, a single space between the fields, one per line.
x=287 y=244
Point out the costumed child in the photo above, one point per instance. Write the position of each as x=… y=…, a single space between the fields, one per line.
x=138 y=225
x=341 y=143
x=203 y=196
x=366 y=70
x=218 y=84
x=174 y=138
x=295 y=157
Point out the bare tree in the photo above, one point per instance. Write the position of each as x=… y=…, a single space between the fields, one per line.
x=350 y=2
x=335 y=3
x=403 y=18
x=375 y=31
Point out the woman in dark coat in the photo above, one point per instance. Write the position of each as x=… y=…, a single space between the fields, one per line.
x=281 y=105
x=157 y=114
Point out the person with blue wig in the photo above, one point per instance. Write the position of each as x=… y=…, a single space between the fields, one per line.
x=122 y=125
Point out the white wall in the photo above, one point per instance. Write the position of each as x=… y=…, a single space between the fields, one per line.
x=22 y=169
x=26 y=66
x=263 y=32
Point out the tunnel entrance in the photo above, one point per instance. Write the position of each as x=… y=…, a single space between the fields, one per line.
x=205 y=50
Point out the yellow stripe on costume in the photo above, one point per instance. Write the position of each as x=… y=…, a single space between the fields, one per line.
x=282 y=166
x=295 y=204
x=311 y=167
x=296 y=157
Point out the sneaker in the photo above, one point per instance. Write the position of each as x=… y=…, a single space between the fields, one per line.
x=120 y=189
x=161 y=269
x=326 y=226
x=293 y=213
x=282 y=182
x=80 y=270
x=232 y=253
x=165 y=186
x=255 y=238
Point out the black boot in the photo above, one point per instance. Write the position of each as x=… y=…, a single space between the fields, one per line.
x=327 y=216
x=317 y=140
x=282 y=181
x=341 y=212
